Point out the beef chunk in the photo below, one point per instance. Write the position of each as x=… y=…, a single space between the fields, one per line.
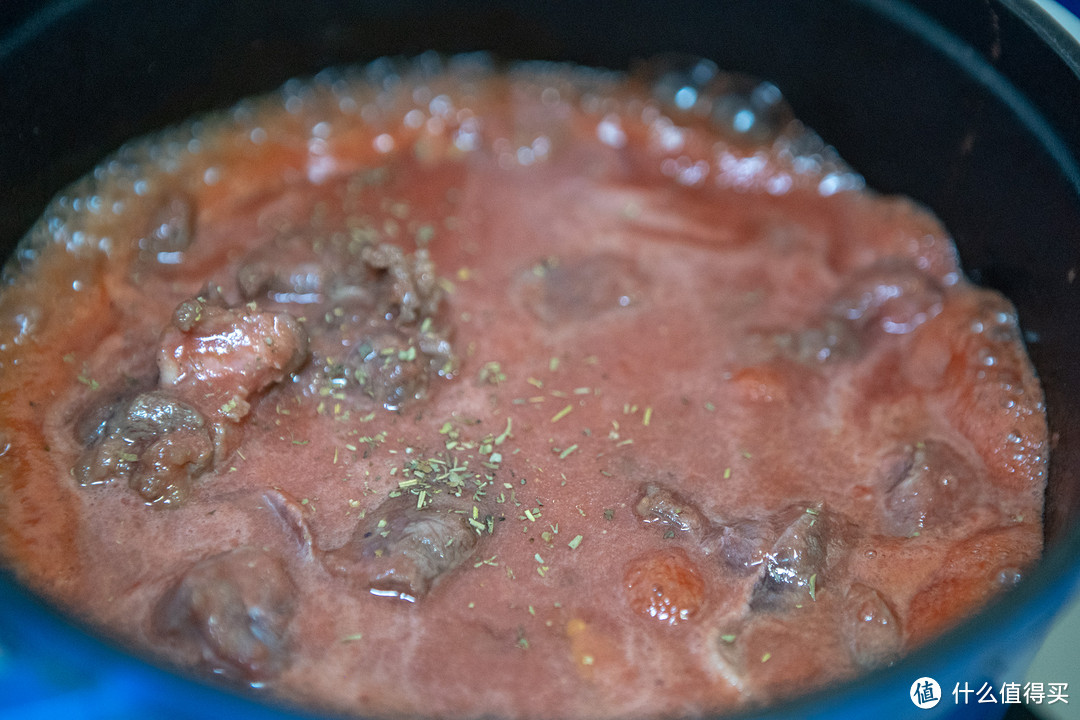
x=372 y=328
x=169 y=466
x=235 y=609
x=927 y=483
x=794 y=565
x=383 y=362
x=410 y=289
x=660 y=505
x=402 y=551
x=389 y=368
x=212 y=361
x=791 y=550
x=886 y=299
x=740 y=544
x=870 y=627
x=158 y=444
x=743 y=545
x=219 y=357
x=373 y=280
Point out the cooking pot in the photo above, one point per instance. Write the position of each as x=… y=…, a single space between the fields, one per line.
x=970 y=106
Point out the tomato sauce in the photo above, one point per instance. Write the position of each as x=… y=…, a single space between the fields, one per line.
x=538 y=393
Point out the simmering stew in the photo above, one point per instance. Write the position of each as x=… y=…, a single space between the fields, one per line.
x=430 y=388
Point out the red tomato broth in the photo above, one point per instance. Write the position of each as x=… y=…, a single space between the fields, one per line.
x=676 y=355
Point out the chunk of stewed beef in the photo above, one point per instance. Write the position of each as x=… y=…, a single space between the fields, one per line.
x=870 y=627
x=394 y=367
x=410 y=288
x=794 y=566
x=371 y=316
x=743 y=545
x=372 y=280
x=926 y=485
x=234 y=609
x=169 y=466
x=401 y=550
x=667 y=509
x=159 y=445
x=217 y=357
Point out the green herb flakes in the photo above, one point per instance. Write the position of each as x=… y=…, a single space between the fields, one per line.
x=562 y=413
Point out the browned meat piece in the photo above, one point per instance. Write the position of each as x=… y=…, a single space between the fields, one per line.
x=888 y=298
x=660 y=505
x=794 y=566
x=235 y=609
x=388 y=364
x=158 y=444
x=401 y=551
x=575 y=289
x=169 y=466
x=410 y=286
x=371 y=312
x=926 y=485
x=367 y=279
x=389 y=368
x=743 y=545
x=789 y=550
x=220 y=357
x=871 y=629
